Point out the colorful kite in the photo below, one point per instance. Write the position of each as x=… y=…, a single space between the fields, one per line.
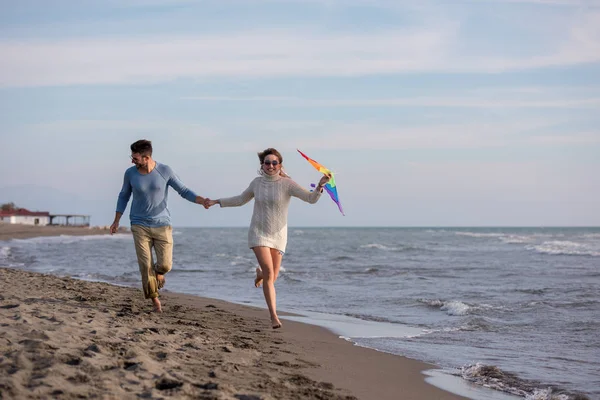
x=330 y=187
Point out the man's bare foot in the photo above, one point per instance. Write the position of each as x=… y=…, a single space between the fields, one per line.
x=275 y=323
x=156 y=305
x=258 y=280
x=160 y=279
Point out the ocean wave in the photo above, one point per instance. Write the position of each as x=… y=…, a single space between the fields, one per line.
x=98 y=277
x=67 y=239
x=445 y=330
x=378 y=246
x=7 y=258
x=370 y=318
x=458 y=308
x=453 y=308
x=185 y=271
x=384 y=247
x=374 y=269
x=289 y=279
x=342 y=258
x=516 y=239
x=4 y=252
x=494 y=378
x=532 y=290
x=564 y=247
x=476 y=324
x=240 y=260
x=480 y=234
x=592 y=235
x=431 y=302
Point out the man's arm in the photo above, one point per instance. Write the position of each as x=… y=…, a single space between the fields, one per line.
x=183 y=191
x=122 y=201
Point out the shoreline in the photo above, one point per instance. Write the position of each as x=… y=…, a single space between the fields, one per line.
x=302 y=360
x=17 y=231
x=197 y=347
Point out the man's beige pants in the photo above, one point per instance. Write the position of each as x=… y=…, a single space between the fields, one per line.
x=161 y=238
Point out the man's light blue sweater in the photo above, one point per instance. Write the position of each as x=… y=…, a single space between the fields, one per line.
x=150 y=194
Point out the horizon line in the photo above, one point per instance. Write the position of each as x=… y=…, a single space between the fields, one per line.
x=415 y=226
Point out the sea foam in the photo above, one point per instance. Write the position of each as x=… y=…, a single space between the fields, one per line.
x=67 y=239
x=564 y=247
x=494 y=378
x=4 y=252
x=455 y=308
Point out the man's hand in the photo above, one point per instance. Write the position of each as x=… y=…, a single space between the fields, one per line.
x=202 y=201
x=209 y=203
x=114 y=228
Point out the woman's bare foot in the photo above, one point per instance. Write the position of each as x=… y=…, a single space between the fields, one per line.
x=160 y=279
x=275 y=323
x=258 y=280
x=156 y=305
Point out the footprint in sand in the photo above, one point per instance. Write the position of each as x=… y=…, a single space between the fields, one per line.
x=166 y=383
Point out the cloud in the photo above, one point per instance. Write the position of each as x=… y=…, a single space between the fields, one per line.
x=130 y=60
x=123 y=60
x=576 y=138
x=195 y=138
x=484 y=97
x=119 y=127
x=569 y=3
x=449 y=102
x=345 y=3
x=374 y=137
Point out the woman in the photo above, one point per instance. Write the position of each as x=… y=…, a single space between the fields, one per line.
x=267 y=236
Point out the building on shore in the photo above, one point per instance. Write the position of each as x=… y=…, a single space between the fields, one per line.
x=42 y=218
x=25 y=217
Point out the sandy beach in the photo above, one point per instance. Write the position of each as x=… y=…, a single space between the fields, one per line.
x=65 y=338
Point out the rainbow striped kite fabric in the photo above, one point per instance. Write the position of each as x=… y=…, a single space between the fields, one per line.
x=330 y=187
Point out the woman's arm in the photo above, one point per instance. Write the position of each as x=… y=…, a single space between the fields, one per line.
x=236 y=201
x=304 y=194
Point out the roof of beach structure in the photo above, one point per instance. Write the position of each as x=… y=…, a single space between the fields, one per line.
x=23 y=212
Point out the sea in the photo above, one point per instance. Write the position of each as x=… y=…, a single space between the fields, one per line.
x=507 y=312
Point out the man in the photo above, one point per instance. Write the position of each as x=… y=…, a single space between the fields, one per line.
x=150 y=218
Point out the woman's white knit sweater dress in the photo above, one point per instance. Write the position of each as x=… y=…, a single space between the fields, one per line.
x=272 y=195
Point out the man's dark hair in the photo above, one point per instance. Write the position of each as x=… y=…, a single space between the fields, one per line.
x=142 y=147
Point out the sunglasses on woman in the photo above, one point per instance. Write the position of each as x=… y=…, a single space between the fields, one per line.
x=273 y=163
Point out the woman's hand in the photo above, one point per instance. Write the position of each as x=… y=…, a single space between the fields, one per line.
x=324 y=180
x=209 y=203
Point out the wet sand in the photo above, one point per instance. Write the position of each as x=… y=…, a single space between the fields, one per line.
x=64 y=338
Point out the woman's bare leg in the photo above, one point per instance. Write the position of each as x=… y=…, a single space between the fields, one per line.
x=259 y=278
x=263 y=256
x=276 y=256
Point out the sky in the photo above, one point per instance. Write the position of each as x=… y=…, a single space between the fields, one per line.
x=431 y=113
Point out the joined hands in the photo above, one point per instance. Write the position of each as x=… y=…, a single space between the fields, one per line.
x=208 y=203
